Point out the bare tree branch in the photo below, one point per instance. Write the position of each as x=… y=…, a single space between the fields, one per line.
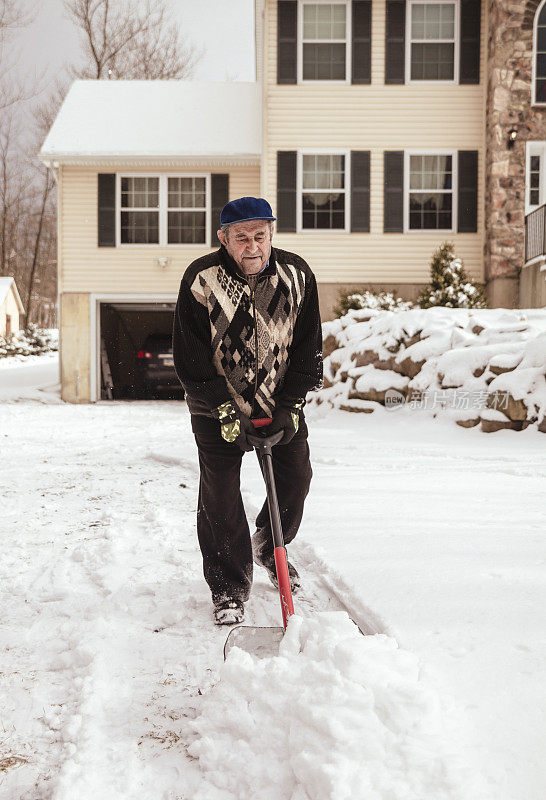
x=46 y=191
x=46 y=110
x=122 y=40
x=25 y=219
x=12 y=16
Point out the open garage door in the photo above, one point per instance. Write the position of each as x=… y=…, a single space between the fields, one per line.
x=135 y=354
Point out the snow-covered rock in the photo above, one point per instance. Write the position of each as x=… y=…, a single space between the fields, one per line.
x=470 y=361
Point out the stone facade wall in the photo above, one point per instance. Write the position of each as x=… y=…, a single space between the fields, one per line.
x=509 y=77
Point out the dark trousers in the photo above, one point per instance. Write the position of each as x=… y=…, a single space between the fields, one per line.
x=222 y=526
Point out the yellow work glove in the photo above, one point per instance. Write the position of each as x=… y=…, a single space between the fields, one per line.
x=234 y=426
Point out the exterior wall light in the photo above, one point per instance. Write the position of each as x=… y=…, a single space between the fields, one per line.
x=512 y=136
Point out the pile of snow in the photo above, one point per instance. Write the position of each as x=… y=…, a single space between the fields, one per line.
x=336 y=716
x=483 y=366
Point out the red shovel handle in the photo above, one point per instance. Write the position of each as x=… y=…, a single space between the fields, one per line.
x=281 y=563
x=261 y=423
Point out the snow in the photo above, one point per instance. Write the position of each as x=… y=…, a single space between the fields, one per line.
x=336 y=715
x=112 y=681
x=456 y=354
x=367 y=378
x=30 y=377
x=124 y=118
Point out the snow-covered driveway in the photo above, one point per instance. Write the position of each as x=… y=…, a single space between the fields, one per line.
x=107 y=646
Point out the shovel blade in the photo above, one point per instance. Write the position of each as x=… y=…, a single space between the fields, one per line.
x=261 y=642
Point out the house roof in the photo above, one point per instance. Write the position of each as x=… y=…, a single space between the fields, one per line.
x=5 y=285
x=154 y=120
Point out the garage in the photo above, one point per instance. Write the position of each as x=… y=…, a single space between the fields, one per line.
x=134 y=351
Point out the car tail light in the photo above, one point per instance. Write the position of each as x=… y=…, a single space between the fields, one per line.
x=144 y=354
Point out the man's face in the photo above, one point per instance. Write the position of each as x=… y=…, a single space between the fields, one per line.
x=249 y=244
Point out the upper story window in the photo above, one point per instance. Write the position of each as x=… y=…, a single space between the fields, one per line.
x=323 y=196
x=163 y=209
x=187 y=210
x=324 y=41
x=430 y=192
x=432 y=38
x=539 y=56
x=139 y=210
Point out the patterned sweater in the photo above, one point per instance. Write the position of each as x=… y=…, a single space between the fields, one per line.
x=255 y=346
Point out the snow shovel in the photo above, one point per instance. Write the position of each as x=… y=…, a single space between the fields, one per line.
x=264 y=641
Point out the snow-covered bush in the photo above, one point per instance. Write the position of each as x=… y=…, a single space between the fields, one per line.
x=449 y=284
x=381 y=301
x=32 y=341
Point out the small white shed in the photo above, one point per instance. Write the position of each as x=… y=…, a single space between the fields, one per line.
x=10 y=306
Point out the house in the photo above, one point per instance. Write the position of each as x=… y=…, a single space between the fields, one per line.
x=377 y=129
x=11 y=306
x=143 y=169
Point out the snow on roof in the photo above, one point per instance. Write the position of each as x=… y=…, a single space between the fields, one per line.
x=156 y=118
x=5 y=284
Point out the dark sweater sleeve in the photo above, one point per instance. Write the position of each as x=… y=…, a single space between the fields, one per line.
x=192 y=351
x=304 y=373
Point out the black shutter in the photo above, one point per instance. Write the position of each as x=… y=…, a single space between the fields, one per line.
x=219 y=189
x=106 y=209
x=362 y=47
x=286 y=191
x=468 y=192
x=395 y=41
x=469 y=65
x=287 y=41
x=360 y=191
x=393 y=191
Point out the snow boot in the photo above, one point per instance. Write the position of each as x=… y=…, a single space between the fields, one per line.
x=228 y=612
x=269 y=566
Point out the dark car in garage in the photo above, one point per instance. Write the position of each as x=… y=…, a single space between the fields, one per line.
x=154 y=370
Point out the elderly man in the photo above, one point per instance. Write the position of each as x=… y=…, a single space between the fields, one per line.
x=247 y=344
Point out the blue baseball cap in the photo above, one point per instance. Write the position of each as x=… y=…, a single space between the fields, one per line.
x=246 y=209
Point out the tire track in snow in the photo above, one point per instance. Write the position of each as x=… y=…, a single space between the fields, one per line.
x=120 y=666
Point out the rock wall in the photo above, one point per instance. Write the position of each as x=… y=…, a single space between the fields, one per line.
x=509 y=77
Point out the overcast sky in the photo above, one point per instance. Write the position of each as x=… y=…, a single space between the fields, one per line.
x=224 y=27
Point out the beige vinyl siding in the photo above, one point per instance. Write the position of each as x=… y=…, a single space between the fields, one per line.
x=10 y=308
x=85 y=267
x=374 y=117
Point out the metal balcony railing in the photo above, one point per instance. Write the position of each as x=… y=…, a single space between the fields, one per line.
x=535 y=233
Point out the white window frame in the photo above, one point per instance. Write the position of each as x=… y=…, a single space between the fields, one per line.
x=163 y=207
x=348 y=42
x=454 y=189
x=409 y=40
x=330 y=151
x=535 y=148
x=534 y=101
